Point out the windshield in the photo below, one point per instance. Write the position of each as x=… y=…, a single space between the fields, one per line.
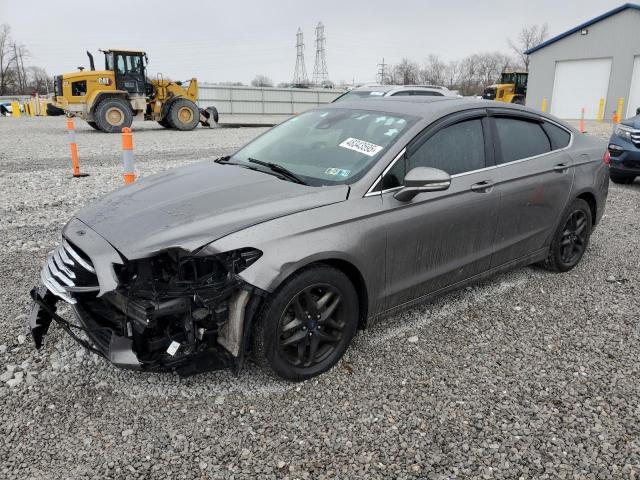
x=326 y=147
x=358 y=94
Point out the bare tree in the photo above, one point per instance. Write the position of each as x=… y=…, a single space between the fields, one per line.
x=38 y=80
x=434 y=71
x=529 y=37
x=406 y=72
x=452 y=74
x=6 y=58
x=262 y=81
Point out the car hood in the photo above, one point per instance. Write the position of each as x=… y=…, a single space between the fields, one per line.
x=633 y=122
x=191 y=206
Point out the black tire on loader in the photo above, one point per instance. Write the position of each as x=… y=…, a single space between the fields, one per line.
x=183 y=115
x=113 y=114
x=94 y=125
x=164 y=122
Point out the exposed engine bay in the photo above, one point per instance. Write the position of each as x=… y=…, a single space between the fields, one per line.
x=171 y=311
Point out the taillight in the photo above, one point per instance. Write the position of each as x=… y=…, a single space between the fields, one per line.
x=607 y=158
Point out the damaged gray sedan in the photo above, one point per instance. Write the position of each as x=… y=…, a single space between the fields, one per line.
x=337 y=216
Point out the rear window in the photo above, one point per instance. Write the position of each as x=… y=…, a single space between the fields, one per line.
x=521 y=139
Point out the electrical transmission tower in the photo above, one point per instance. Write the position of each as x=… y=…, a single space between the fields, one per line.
x=300 y=73
x=381 y=71
x=320 y=73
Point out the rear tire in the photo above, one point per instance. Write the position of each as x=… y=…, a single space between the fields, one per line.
x=518 y=100
x=183 y=115
x=621 y=179
x=571 y=238
x=113 y=114
x=307 y=324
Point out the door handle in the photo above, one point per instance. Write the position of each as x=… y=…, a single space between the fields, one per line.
x=561 y=168
x=483 y=187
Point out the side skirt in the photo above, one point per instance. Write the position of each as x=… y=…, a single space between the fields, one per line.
x=535 y=257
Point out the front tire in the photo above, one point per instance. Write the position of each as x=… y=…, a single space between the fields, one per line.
x=571 y=238
x=94 y=125
x=305 y=327
x=113 y=114
x=164 y=123
x=183 y=115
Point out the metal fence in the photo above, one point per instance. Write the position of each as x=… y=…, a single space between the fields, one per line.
x=236 y=100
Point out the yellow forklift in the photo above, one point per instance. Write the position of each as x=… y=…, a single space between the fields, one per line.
x=110 y=99
x=511 y=89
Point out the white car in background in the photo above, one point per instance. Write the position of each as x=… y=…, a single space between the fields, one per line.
x=377 y=91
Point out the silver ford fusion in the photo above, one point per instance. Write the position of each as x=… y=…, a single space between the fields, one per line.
x=337 y=216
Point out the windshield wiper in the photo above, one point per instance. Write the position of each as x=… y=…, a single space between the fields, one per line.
x=274 y=167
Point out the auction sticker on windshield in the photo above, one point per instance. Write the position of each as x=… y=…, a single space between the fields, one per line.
x=360 y=146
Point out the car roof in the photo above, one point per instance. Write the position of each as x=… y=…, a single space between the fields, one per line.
x=431 y=108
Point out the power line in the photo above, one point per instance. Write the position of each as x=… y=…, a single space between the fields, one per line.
x=300 y=72
x=320 y=72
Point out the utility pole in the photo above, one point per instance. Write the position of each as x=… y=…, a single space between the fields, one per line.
x=382 y=66
x=320 y=73
x=15 y=57
x=300 y=72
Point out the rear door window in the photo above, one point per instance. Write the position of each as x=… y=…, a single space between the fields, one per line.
x=521 y=138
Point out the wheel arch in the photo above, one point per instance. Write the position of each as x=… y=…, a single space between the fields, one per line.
x=591 y=200
x=353 y=273
x=95 y=100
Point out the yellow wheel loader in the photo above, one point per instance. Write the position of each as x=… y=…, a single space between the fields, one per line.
x=511 y=89
x=110 y=99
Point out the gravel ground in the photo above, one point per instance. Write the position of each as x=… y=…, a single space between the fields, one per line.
x=528 y=375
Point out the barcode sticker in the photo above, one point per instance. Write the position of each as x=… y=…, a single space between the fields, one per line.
x=173 y=348
x=360 y=146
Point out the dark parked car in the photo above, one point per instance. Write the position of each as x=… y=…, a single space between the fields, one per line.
x=624 y=150
x=338 y=215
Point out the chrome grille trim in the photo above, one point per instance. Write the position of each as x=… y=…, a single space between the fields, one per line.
x=60 y=264
x=53 y=270
x=63 y=255
x=59 y=273
x=77 y=258
x=54 y=287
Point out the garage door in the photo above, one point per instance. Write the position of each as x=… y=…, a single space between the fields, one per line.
x=578 y=84
x=634 y=93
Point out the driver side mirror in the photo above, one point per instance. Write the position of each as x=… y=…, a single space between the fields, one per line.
x=638 y=111
x=423 y=179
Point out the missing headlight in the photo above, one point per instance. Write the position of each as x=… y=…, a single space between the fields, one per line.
x=173 y=305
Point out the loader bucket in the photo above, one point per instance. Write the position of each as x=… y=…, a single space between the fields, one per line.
x=209 y=117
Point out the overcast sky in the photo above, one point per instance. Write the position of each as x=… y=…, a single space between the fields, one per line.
x=235 y=40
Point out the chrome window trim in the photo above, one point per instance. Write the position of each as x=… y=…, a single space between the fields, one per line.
x=371 y=193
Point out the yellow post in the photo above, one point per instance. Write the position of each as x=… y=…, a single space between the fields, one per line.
x=32 y=107
x=15 y=109
x=43 y=108
x=620 y=107
x=543 y=108
x=601 y=110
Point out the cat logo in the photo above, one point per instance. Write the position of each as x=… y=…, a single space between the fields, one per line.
x=104 y=80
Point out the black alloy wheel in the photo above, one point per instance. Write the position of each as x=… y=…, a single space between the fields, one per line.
x=571 y=237
x=307 y=324
x=574 y=238
x=311 y=326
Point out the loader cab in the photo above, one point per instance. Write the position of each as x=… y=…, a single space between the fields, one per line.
x=518 y=79
x=129 y=69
